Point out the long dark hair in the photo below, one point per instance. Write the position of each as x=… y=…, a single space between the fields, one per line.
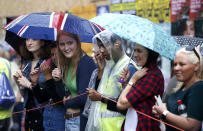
x=152 y=58
x=27 y=55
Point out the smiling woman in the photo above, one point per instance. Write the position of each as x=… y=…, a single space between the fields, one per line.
x=141 y=88
x=140 y=54
x=188 y=70
x=75 y=68
x=184 y=68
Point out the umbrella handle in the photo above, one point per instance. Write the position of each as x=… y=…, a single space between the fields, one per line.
x=121 y=81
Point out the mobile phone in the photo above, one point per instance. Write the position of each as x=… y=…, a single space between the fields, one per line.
x=158 y=100
x=48 y=61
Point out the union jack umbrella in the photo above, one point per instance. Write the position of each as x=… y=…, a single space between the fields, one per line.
x=45 y=26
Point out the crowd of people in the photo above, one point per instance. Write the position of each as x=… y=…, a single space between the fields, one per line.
x=64 y=89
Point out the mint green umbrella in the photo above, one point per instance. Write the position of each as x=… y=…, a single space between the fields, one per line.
x=139 y=30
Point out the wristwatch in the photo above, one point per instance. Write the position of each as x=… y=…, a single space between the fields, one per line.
x=102 y=99
x=163 y=116
x=130 y=83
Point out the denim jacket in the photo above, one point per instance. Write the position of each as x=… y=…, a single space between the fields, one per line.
x=41 y=80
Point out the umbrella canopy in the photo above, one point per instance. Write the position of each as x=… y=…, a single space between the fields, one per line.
x=139 y=30
x=186 y=40
x=45 y=26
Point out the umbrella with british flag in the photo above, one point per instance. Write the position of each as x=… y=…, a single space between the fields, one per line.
x=45 y=26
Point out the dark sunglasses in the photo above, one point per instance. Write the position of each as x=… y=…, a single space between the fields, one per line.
x=192 y=48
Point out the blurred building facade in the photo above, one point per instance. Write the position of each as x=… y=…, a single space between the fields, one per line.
x=11 y=8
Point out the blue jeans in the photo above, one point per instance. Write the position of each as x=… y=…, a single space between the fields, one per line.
x=73 y=124
x=54 y=118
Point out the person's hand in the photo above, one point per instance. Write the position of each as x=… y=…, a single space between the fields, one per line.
x=100 y=61
x=17 y=75
x=65 y=99
x=158 y=110
x=46 y=70
x=34 y=75
x=124 y=75
x=23 y=81
x=93 y=56
x=138 y=74
x=56 y=74
x=94 y=95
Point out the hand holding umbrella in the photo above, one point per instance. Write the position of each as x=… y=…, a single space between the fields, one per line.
x=124 y=75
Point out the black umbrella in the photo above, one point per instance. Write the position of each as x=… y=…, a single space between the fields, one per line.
x=187 y=41
x=13 y=40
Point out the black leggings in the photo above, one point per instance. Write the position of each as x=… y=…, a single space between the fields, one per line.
x=34 y=121
x=4 y=124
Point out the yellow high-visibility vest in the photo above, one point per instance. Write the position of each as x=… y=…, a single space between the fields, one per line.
x=5 y=67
